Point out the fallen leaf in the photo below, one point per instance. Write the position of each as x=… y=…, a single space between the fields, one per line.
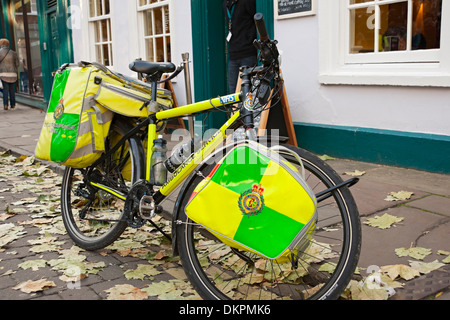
x=415 y=252
x=6 y=216
x=126 y=292
x=125 y=244
x=424 y=267
x=158 y=288
x=355 y=173
x=34 y=286
x=399 y=196
x=365 y=290
x=383 y=222
x=326 y=157
x=75 y=278
x=141 y=272
x=400 y=270
x=32 y=264
x=160 y=255
x=9 y=232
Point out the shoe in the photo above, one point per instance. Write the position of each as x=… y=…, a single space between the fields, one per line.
x=13 y=108
x=6 y=107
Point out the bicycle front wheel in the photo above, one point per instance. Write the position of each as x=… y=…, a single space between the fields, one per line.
x=321 y=271
x=94 y=218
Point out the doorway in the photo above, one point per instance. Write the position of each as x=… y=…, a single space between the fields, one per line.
x=209 y=33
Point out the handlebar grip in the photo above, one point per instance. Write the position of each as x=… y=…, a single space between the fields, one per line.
x=261 y=27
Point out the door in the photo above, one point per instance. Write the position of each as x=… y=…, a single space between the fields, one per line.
x=209 y=33
x=54 y=44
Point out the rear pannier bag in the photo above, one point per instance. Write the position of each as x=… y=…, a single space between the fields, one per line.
x=77 y=124
x=256 y=201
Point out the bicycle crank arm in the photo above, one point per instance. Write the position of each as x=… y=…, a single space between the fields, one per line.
x=321 y=196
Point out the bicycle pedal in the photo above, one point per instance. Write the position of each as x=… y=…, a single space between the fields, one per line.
x=148 y=209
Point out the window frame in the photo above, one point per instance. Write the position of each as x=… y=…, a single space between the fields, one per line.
x=92 y=21
x=413 y=68
x=141 y=9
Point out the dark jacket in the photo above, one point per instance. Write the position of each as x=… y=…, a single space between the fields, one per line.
x=9 y=65
x=243 y=28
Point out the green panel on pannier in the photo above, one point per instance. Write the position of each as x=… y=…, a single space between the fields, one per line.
x=65 y=138
x=253 y=201
x=59 y=85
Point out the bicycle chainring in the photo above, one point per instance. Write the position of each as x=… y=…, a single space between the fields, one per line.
x=131 y=208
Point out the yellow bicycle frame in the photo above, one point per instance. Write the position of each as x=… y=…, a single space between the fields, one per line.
x=208 y=147
x=189 y=165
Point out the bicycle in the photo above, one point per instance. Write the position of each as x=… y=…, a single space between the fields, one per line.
x=99 y=202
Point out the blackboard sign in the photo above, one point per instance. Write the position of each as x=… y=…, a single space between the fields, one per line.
x=294 y=8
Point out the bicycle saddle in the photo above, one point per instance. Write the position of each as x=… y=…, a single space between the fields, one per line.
x=149 y=68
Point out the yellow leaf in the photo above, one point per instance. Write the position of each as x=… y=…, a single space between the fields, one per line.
x=383 y=222
x=356 y=173
x=415 y=252
x=400 y=270
x=126 y=292
x=34 y=286
x=424 y=267
x=399 y=196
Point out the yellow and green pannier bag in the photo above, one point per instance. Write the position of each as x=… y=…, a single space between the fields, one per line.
x=75 y=126
x=256 y=201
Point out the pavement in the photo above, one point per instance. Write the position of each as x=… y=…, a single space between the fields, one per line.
x=425 y=224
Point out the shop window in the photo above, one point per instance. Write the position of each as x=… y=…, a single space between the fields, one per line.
x=27 y=44
x=384 y=42
x=155 y=30
x=100 y=27
x=405 y=26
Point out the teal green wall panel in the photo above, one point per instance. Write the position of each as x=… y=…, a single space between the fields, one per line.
x=405 y=149
x=209 y=33
x=62 y=50
x=209 y=54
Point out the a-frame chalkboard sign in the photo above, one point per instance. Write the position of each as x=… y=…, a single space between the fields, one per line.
x=175 y=123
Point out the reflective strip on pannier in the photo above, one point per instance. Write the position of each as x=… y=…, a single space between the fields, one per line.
x=77 y=124
x=254 y=201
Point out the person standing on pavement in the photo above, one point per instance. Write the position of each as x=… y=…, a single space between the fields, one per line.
x=241 y=34
x=9 y=66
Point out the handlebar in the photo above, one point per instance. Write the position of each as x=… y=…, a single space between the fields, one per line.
x=261 y=27
x=268 y=48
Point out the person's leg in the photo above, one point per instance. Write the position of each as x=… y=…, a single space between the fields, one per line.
x=12 y=95
x=233 y=74
x=5 y=94
x=248 y=62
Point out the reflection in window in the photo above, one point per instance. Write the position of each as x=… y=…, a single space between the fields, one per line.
x=30 y=72
x=378 y=27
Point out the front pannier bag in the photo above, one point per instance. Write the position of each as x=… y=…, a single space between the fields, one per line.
x=256 y=201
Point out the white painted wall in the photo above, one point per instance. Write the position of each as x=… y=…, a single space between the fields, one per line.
x=408 y=109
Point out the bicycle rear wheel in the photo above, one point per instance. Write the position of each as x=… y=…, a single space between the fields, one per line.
x=322 y=271
x=92 y=217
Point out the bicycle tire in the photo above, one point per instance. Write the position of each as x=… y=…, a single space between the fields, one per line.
x=89 y=233
x=209 y=275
